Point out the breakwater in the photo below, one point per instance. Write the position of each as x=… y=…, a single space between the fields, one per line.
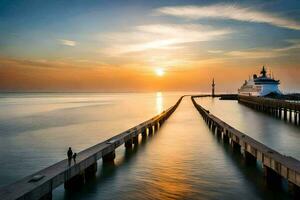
x=288 y=111
x=277 y=167
x=41 y=184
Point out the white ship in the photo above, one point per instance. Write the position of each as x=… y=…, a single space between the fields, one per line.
x=260 y=85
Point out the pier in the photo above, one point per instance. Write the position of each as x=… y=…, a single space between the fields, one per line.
x=288 y=111
x=41 y=184
x=276 y=166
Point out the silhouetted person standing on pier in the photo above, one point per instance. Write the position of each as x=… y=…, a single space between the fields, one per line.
x=74 y=157
x=70 y=155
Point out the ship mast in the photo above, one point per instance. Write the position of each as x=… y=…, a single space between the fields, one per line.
x=263 y=72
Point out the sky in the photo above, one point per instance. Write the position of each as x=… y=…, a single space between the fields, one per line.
x=119 y=46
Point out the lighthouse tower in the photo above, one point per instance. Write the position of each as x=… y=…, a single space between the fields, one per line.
x=213 y=88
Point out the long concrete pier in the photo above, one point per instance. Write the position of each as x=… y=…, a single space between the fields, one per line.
x=276 y=166
x=41 y=184
x=288 y=111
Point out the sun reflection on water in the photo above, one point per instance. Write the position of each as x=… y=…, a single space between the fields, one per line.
x=159 y=102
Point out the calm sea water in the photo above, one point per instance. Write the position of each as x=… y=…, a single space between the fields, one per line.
x=182 y=161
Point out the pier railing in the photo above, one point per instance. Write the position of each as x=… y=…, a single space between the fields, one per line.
x=275 y=164
x=40 y=184
x=288 y=111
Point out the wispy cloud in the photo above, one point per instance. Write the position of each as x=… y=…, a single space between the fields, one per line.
x=68 y=42
x=294 y=44
x=229 y=11
x=266 y=53
x=63 y=63
x=163 y=36
x=215 y=51
x=254 y=53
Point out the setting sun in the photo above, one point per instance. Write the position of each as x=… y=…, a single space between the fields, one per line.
x=159 y=71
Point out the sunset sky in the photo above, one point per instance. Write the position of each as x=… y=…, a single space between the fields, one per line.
x=124 y=46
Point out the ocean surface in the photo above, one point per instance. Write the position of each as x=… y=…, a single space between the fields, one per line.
x=183 y=160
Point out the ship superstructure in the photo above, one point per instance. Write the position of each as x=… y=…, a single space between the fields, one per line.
x=260 y=85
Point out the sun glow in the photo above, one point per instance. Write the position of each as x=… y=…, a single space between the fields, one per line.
x=159 y=71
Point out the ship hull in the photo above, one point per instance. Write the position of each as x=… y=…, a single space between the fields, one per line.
x=259 y=90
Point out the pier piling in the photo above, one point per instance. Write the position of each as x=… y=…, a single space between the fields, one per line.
x=294 y=189
x=235 y=146
x=144 y=133
x=46 y=196
x=225 y=139
x=128 y=144
x=108 y=158
x=157 y=126
x=249 y=158
x=272 y=178
x=135 y=140
x=219 y=132
x=90 y=172
x=150 y=130
x=75 y=182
